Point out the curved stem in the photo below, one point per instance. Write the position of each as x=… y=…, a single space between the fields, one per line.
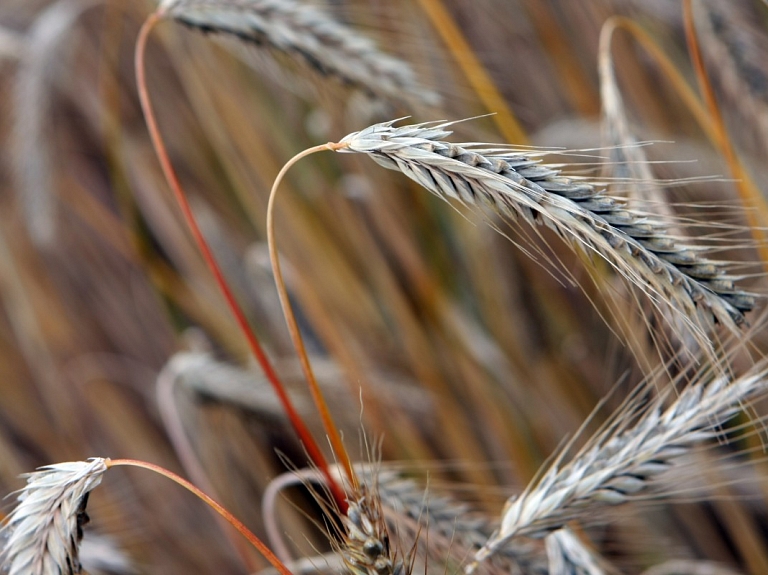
x=315 y=454
x=231 y=519
x=293 y=326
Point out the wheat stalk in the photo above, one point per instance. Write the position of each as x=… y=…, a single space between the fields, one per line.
x=45 y=529
x=621 y=462
x=516 y=185
x=311 y=34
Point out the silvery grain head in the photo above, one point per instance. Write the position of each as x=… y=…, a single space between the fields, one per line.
x=620 y=463
x=519 y=187
x=45 y=529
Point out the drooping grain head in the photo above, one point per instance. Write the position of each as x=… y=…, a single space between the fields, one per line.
x=517 y=186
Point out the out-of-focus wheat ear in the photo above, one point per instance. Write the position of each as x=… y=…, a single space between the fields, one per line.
x=515 y=184
x=750 y=194
x=42 y=56
x=621 y=461
x=45 y=528
x=309 y=33
x=735 y=47
x=568 y=556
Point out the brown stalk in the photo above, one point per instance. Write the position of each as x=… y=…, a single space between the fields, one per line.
x=293 y=327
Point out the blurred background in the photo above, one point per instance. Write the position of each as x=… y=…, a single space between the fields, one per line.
x=434 y=333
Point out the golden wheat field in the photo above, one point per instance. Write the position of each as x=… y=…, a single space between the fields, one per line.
x=523 y=267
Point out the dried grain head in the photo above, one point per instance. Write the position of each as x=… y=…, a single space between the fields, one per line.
x=45 y=529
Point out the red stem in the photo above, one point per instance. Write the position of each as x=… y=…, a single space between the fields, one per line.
x=314 y=452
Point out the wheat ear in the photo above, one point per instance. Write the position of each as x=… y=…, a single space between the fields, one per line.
x=45 y=529
x=516 y=185
x=620 y=462
x=311 y=34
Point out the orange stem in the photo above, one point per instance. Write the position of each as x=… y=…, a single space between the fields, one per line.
x=475 y=72
x=231 y=519
x=748 y=193
x=315 y=454
x=293 y=327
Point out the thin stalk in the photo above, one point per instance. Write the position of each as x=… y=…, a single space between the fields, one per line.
x=293 y=327
x=315 y=454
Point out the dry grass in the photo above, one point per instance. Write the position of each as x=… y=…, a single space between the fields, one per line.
x=500 y=356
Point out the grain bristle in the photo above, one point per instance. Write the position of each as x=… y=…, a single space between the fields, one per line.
x=516 y=185
x=45 y=529
x=312 y=35
x=621 y=462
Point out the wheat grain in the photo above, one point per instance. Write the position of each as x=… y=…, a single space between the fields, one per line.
x=620 y=462
x=568 y=556
x=309 y=33
x=518 y=186
x=45 y=529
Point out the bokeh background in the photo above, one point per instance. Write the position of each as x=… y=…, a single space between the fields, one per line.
x=466 y=359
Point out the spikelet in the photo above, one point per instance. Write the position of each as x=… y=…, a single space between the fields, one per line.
x=367 y=549
x=311 y=34
x=567 y=555
x=516 y=185
x=45 y=529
